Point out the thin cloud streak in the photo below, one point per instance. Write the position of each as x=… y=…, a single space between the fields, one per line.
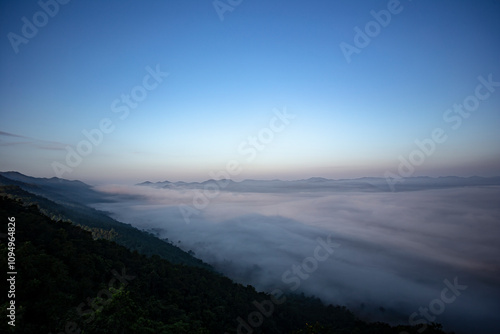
x=37 y=143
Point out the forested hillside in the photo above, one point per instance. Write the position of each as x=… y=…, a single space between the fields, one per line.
x=100 y=224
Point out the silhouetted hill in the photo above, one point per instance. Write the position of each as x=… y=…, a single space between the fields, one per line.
x=55 y=189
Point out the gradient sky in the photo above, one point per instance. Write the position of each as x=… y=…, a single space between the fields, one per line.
x=228 y=77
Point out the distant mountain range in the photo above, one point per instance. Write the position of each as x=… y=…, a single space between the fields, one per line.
x=66 y=191
x=321 y=184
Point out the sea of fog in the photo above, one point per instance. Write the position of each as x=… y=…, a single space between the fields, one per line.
x=405 y=257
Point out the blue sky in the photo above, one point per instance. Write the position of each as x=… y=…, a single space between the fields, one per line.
x=228 y=78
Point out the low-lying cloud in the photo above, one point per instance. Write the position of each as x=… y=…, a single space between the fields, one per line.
x=395 y=249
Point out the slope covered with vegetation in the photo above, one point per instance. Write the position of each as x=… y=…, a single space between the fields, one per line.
x=100 y=224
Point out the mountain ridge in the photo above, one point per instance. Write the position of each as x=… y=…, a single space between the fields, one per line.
x=323 y=184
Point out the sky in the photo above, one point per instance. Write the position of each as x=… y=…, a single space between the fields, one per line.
x=128 y=91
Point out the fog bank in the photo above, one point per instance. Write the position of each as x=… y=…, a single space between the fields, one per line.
x=391 y=253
